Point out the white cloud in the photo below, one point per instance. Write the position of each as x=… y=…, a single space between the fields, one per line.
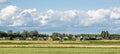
x=115 y=13
x=25 y=18
x=69 y=15
x=15 y=16
x=7 y=13
x=9 y=10
x=17 y=23
x=96 y=16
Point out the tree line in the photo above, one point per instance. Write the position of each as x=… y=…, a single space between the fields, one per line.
x=35 y=35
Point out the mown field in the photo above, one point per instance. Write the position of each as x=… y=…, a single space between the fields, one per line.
x=57 y=47
x=80 y=44
x=59 y=51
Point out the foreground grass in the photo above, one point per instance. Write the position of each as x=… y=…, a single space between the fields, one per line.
x=59 y=51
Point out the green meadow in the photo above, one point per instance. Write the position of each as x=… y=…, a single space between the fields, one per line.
x=56 y=47
x=59 y=51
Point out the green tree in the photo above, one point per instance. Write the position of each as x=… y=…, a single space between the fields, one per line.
x=3 y=34
x=10 y=34
x=105 y=34
x=25 y=33
x=55 y=36
x=34 y=33
x=70 y=36
x=17 y=34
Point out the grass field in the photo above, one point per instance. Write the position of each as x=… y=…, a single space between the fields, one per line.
x=59 y=51
x=89 y=44
x=56 y=47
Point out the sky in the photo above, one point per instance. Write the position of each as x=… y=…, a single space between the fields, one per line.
x=64 y=16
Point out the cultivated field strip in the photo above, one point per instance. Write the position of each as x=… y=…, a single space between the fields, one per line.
x=58 y=46
x=74 y=44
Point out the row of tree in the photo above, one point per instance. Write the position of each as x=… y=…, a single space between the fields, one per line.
x=10 y=35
